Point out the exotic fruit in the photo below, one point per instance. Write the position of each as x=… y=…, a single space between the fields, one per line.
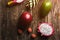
x=45 y=8
x=19 y=31
x=25 y=18
x=15 y=1
x=29 y=29
x=45 y=29
x=33 y=35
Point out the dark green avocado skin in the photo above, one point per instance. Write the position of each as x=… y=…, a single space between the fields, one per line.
x=45 y=8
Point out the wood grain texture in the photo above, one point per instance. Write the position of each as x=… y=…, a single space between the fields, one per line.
x=9 y=20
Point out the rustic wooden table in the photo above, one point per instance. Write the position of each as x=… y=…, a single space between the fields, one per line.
x=9 y=18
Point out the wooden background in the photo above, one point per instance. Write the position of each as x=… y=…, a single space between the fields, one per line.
x=9 y=18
